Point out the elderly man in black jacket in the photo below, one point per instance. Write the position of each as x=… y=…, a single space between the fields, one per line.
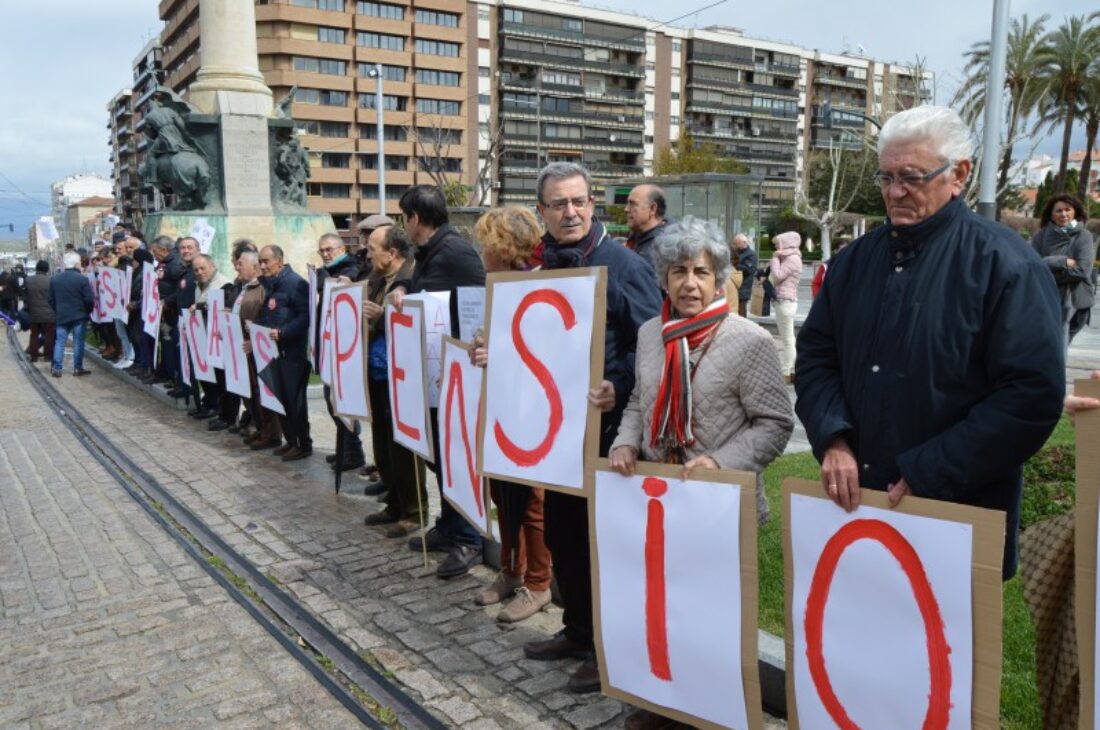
x=71 y=298
x=170 y=271
x=286 y=311
x=41 y=313
x=931 y=362
x=444 y=260
x=645 y=215
x=343 y=268
x=574 y=238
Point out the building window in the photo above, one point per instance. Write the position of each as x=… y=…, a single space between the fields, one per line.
x=320 y=65
x=437 y=78
x=389 y=73
x=483 y=72
x=439 y=164
x=571 y=24
x=330 y=35
x=484 y=99
x=389 y=103
x=337 y=5
x=561 y=131
x=437 y=48
x=334 y=129
x=329 y=190
x=305 y=126
x=327 y=97
x=307 y=96
x=335 y=160
x=380 y=40
x=439 y=106
x=483 y=13
x=437 y=17
x=393 y=162
x=439 y=135
x=675 y=95
x=390 y=133
x=676 y=46
x=393 y=192
x=649 y=116
x=513 y=16
x=381 y=10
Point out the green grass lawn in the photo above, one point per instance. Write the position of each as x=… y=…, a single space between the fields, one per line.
x=1048 y=490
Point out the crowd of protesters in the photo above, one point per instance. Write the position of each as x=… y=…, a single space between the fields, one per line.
x=912 y=372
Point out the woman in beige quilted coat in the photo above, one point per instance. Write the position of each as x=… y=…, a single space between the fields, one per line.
x=708 y=390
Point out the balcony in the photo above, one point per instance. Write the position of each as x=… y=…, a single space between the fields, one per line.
x=634 y=42
x=842 y=81
x=721 y=59
x=579 y=64
x=526 y=111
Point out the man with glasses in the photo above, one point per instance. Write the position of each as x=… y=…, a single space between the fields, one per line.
x=931 y=362
x=342 y=268
x=574 y=238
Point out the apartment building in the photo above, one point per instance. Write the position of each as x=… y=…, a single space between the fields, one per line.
x=485 y=92
x=120 y=126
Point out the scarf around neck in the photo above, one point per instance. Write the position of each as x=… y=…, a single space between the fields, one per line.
x=573 y=256
x=672 y=413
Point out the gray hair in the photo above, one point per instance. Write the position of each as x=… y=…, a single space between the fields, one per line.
x=938 y=124
x=252 y=257
x=561 y=171
x=686 y=240
x=165 y=243
x=334 y=237
x=208 y=259
x=71 y=260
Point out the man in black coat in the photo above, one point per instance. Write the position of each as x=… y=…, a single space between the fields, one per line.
x=931 y=362
x=170 y=271
x=188 y=248
x=43 y=320
x=71 y=298
x=575 y=239
x=444 y=261
x=286 y=312
x=645 y=215
x=342 y=266
x=744 y=258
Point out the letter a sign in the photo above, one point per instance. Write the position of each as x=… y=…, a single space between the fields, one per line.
x=459 y=405
x=545 y=340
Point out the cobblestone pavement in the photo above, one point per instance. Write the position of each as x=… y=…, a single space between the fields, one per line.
x=104 y=620
x=371 y=590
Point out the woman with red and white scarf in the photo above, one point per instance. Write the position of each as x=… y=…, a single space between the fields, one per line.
x=708 y=391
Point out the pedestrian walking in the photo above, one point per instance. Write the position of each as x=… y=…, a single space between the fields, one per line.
x=71 y=298
x=1068 y=250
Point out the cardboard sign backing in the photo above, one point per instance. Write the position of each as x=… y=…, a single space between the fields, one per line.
x=1087 y=512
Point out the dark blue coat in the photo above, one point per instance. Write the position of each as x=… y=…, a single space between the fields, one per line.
x=71 y=297
x=286 y=308
x=936 y=350
x=172 y=270
x=632 y=300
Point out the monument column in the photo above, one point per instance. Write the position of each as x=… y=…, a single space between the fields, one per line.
x=229 y=80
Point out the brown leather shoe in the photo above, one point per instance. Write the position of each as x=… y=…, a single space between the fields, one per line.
x=587 y=677
x=296 y=454
x=283 y=449
x=646 y=720
x=559 y=646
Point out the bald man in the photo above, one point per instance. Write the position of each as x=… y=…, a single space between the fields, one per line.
x=645 y=216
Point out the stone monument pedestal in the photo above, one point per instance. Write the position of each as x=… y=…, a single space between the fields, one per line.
x=295 y=233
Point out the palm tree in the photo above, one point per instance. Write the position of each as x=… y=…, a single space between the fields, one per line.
x=1066 y=59
x=1088 y=108
x=1025 y=88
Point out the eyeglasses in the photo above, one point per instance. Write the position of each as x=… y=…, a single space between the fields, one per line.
x=561 y=204
x=910 y=180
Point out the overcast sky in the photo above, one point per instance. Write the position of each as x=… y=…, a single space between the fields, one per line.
x=63 y=60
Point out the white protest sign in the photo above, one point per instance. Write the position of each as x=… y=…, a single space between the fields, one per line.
x=312 y=278
x=437 y=324
x=125 y=283
x=265 y=352
x=883 y=616
x=150 y=300
x=471 y=311
x=196 y=345
x=676 y=629
x=204 y=233
x=349 y=362
x=542 y=364
x=215 y=342
x=407 y=386
x=459 y=406
x=236 y=362
x=45 y=230
x=324 y=358
x=112 y=307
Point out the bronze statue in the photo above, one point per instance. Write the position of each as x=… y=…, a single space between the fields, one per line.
x=291 y=171
x=173 y=162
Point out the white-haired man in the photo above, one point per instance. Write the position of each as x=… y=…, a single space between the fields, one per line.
x=931 y=362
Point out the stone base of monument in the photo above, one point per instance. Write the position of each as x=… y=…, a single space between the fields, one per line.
x=295 y=233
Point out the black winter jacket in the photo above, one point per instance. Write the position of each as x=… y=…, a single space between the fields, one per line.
x=446 y=262
x=936 y=351
x=643 y=243
x=71 y=297
x=38 y=299
x=168 y=286
x=347 y=266
x=746 y=264
x=286 y=308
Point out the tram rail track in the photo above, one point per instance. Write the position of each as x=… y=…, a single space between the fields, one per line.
x=375 y=700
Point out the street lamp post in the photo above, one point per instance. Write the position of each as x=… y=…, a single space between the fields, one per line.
x=376 y=73
x=994 y=112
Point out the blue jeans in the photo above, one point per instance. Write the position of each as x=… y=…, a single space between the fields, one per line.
x=63 y=330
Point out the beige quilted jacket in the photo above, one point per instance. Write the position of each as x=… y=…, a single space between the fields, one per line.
x=742 y=414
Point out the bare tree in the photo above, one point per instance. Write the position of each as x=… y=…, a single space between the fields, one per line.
x=435 y=146
x=488 y=157
x=844 y=176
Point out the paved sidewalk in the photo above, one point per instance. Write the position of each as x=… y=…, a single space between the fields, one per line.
x=371 y=590
x=105 y=622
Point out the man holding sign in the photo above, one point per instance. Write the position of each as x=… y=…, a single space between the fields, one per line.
x=575 y=239
x=916 y=371
x=444 y=261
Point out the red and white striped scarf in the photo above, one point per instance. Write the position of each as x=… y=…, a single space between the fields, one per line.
x=672 y=412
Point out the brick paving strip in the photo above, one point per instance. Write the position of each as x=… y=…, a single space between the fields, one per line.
x=370 y=590
x=104 y=620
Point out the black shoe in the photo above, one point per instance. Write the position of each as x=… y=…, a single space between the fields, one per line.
x=587 y=677
x=201 y=414
x=559 y=646
x=81 y=372
x=56 y=373
x=374 y=489
x=437 y=542
x=330 y=459
x=459 y=561
x=173 y=393
x=382 y=517
x=217 y=425
x=233 y=428
x=349 y=464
